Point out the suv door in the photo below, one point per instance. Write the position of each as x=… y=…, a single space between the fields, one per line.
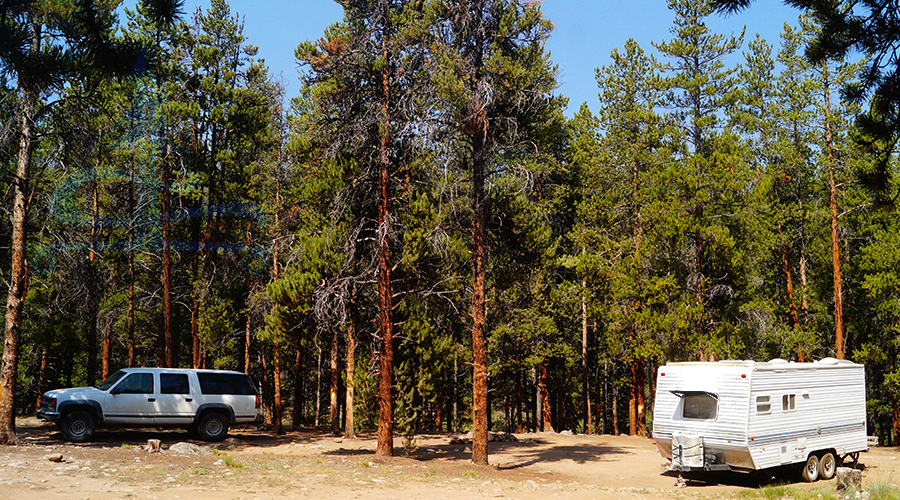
x=131 y=401
x=176 y=404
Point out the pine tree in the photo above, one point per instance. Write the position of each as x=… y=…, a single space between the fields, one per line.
x=707 y=180
x=41 y=64
x=494 y=81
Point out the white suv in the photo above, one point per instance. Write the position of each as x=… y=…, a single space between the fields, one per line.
x=206 y=402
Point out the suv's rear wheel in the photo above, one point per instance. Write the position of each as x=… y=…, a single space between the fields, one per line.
x=78 y=426
x=212 y=426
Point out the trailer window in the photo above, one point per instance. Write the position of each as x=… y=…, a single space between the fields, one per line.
x=699 y=406
x=789 y=402
x=763 y=404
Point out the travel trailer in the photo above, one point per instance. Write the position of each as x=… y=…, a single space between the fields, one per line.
x=747 y=415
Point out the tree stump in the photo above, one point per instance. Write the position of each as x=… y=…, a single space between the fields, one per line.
x=849 y=479
x=153 y=445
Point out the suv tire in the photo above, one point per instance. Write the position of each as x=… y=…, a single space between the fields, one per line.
x=212 y=426
x=78 y=426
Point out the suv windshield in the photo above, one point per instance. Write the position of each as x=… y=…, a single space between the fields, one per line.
x=106 y=384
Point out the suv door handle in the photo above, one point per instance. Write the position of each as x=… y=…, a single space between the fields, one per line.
x=188 y=399
x=150 y=400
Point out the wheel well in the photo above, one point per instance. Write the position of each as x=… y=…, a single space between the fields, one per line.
x=821 y=453
x=78 y=407
x=224 y=410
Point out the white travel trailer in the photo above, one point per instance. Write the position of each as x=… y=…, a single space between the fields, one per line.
x=747 y=415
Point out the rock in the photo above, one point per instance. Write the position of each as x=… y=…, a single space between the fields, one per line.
x=219 y=462
x=848 y=479
x=566 y=433
x=169 y=479
x=505 y=437
x=189 y=449
x=57 y=457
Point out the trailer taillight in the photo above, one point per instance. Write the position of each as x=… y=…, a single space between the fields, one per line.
x=662 y=374
x=743 y=375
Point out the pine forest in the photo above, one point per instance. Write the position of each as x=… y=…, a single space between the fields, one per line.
x=419 y=238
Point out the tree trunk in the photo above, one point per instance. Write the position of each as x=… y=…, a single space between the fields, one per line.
x=546 y=414
x=318 y=386
x=104 y=353
x=247 y=344
x=333 y=414
x=42 y=375
x=18 y=283
x=168 y=340
x=298 y=392
x=585 y=387
x=835 y=238
x=91 y=334
x=195 y=314
x=454 y=418
x=439 y=407
x=479 y=344
x=385 y=445
x=349 y=431
x=131 y=281
x=519 y=428
x=266 y=387
x=615 y=410
x=639 y=397
x=276 y=383
x=93 y=286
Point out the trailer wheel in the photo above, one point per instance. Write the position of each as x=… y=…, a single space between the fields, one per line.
x=827 y=466
x=810 y=470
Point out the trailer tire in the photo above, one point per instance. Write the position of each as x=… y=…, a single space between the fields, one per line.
x=810 y=470
x=827 y=466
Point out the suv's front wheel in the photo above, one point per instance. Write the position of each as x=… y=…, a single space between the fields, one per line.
x=212 y=426
x=78 y=426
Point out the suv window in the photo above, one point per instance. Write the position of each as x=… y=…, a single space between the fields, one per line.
x=136 y=383
x=109 y=382
x=226 y=383
x=174 y=383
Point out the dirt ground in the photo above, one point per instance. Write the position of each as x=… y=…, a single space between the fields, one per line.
x=253 y=464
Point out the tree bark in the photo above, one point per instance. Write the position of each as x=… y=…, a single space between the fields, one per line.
x=318 y=386
x=349 y=431
x=168 y=340
x=546 y=413
x=42 y=375
x=835 y=238
x=479 y=343
x=585 y=384
x=247 y=344
x=333 y=414
x=18 y=283
x=276 y=384
x=385 y=445
x=104 y=353
x=266 y=387
x=298 y=392
x=93 y=286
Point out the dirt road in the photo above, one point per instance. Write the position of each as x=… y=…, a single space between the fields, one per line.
x=254 y=464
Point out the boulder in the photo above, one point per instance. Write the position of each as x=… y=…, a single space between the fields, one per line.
x=189 y=449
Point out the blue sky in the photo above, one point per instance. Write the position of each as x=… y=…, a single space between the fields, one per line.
x=586 y=32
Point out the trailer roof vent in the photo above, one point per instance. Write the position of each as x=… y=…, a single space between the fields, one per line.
x=778 y=361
